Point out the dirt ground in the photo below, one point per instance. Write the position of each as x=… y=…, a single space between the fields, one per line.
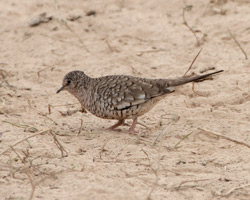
x=197 y=144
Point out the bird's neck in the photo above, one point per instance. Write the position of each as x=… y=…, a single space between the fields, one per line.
x=81 y=92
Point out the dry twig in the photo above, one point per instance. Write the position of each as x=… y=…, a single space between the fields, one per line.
x=40 y=133
x=80 y=129
x=110 y=47
x=188 y=7
x=224 y=137
x=27 y=169
x=44 y=115
x=151 y=51
x=38 y=73
x=183 y=182
x=135 y=71
x=233 y=189
x=28 y=173
x=64 y=153
x=49 y=108
x=103 y=149
x=60 y=105
x=196 y=91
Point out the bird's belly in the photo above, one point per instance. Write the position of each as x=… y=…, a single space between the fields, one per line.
x=105 y=110
x=128 y=113
x=147 y=106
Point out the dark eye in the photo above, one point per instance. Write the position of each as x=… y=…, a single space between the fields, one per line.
x=68 y=81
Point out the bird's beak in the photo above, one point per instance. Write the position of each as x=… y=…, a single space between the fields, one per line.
x=60 y=89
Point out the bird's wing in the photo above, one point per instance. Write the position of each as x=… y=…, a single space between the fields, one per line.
x=133 y=91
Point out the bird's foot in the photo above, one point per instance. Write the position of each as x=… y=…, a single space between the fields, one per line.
x=114 y=129
x=132 y=128
x=119 y=123
x=133 y=132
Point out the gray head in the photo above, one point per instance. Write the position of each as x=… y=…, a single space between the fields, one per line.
x=72 y=80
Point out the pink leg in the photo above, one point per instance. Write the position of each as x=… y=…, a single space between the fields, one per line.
x=132 y=128
x=119 y=123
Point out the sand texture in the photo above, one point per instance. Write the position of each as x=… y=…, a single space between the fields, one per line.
x=197 y=141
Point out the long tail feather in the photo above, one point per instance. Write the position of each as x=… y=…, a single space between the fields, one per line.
x=181 y=81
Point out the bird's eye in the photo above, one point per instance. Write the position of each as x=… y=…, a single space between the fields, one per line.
x=68 y=82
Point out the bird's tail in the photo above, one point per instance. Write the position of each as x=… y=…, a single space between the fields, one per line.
x=181 y=81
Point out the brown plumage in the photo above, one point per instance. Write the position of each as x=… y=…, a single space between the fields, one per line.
x=119 y=96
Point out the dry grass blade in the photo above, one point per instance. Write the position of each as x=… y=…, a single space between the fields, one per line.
x=27 y=169
x=28 y=173
x=19 y=125
x=149 y=162
x=192 y=62
x=155 y=184
x=155 y=171
x=233 y=189
x=135 y=71
x=45 y=115
x=49 y=108
x=61 y=105
x=163 y=131
x=188 y=7
x=196 y=91
x=103 y=149
x=190 y=181
x=40 y=133
x=110 y=47
x=152 y=51
x=238 y=44
x=80 y=129
x=186 y=136
x=224 y=137
x=38 y=73
x=68 y=27
x=64 y=153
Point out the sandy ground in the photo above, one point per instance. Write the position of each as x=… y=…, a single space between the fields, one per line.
x=140 y=38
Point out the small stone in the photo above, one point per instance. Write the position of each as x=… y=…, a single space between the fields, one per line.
x=41 y=18
x=91 y=13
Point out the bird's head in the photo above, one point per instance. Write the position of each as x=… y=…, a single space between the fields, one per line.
x=71 y=81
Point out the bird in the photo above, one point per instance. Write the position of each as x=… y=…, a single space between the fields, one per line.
x=121 y=97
